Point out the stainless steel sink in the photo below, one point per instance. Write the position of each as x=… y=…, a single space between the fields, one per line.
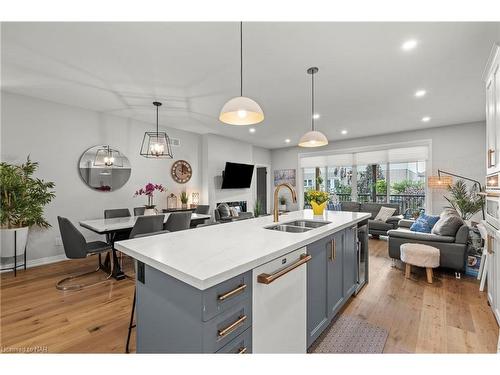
x=307 y=223
x=298 y=226
x=288 y=228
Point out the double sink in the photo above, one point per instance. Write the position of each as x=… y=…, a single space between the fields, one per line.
x=298 y=226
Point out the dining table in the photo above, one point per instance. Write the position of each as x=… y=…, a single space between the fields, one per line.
x=114 y=226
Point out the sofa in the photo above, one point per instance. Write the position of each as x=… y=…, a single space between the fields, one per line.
x=222 y=214
x=375 y=227
x=453 y=249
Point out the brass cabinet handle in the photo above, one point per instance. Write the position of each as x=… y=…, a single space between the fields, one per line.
x=490 y=153
x=265 y=278
x=242 y=350
x=490 y=244
x=333 y=250
x=230 y=328
x=231 y=293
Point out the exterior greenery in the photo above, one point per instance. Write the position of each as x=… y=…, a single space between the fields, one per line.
x=23 y=197
x=408 y=187
x=465 y=201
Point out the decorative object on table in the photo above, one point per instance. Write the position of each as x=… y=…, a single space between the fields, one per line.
x=282 y=206
x=181 y=171
x=241 y=110
x=184 y=199
x=318 y=200
x=282 y=176
x=156 y=144
x=104 y=168
x=148 y=191
x=466 y=202
x=172 y=201
x=313 y=138
x=23 y=198
x=444 y=180
x=195 y=199
x=257 y=209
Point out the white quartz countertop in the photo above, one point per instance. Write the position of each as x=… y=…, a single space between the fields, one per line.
x=206 y=256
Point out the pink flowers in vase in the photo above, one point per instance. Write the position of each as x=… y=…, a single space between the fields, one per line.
x=149 y=190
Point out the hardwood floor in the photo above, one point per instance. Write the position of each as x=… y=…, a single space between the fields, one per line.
x=448 y=316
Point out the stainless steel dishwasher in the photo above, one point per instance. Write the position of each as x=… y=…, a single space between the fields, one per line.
x=280 y=304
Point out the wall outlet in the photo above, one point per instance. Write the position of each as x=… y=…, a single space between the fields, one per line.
x=58 y=241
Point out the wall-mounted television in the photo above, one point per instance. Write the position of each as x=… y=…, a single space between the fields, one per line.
x=237 y=176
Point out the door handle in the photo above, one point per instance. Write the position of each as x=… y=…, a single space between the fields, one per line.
x=490 y=244
x=333 y=250
x=491 y=153
x=265 y=278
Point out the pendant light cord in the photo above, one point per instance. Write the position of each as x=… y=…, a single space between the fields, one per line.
x=312 y=101
x=157 y=123
x=241 y=58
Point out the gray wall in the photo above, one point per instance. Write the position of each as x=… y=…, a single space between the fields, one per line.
x=459 y=149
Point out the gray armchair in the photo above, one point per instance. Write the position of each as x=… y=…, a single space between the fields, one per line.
x=453 y=249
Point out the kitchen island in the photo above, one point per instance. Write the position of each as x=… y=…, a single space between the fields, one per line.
x=195 y=288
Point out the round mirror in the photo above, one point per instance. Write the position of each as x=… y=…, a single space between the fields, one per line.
x=104 y=168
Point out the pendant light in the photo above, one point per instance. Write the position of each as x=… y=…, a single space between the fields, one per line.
x=313 y=138
x=156 y=144
x=108 y=157
x=241 y=110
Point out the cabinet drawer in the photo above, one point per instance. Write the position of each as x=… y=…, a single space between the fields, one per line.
x=220 y=330
x=239 y=345
x=225 y=295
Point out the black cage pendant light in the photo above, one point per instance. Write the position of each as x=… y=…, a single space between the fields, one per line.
x=156 y=144
x=241 y=110
x=313 y=138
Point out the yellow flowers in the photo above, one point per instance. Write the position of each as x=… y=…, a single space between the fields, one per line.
x=316 y=196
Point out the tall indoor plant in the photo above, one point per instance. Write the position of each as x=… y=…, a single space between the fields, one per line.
x=466 y=202
x=23 y=198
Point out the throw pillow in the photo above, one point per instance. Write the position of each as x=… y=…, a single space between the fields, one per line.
x=448 y=212
x=234 y=212
x=224 y=210
x=385 y=213
x=424 y=223
x=447 y=226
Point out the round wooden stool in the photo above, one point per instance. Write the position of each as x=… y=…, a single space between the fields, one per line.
x=415 y=254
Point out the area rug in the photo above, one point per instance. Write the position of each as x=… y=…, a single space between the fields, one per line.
x=349 y=334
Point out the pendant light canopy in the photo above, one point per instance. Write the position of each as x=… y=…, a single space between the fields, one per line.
x=241 y=110
x=313 y=138
x=156 y=144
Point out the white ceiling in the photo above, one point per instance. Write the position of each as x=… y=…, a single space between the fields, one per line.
x=365 y=84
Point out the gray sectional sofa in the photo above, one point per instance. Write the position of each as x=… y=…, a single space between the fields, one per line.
x=375 y=227
x=453 y=248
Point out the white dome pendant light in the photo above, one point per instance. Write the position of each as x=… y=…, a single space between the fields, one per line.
x=241 y=110
x=313 y=138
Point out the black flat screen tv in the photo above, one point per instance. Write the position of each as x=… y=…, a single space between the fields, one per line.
x=237 y=176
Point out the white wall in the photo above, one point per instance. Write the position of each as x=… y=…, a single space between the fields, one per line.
x=56 y=135
x=458 y=149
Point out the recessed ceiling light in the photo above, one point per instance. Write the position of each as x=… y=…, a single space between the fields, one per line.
x=344 y=132
x=316 y=116
x=409 y=45
x=420 y=93
x=251 y=130
x=287 y=140
x=426 y=119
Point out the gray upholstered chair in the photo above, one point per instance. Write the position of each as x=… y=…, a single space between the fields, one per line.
x=177 y=221
x=139 y=211
x=147 y=224
x=76 y=247
x=202 y=209
x=116 y=213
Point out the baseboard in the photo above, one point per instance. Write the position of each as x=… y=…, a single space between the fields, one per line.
x=36 y=262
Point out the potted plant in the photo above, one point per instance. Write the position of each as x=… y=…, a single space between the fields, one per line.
x=257 y=209
x=282 y=206
x=148 y=191
x=184 y=199
x=466 y=202
x=23 y=198
x=318 y=200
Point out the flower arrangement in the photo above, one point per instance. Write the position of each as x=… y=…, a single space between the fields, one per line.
x=149 y=190
x=318 y=197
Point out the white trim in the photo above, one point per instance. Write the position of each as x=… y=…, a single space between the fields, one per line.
x=37 y=262
x=494 y=53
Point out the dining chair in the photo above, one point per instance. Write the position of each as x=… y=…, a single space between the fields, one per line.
x=202 y=209
x=138 y=235
x=147 y=224
x=177 y=221
x=76 y=247
x=139 y=211
x=116 y=213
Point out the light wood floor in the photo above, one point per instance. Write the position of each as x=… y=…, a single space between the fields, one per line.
x=449 y=316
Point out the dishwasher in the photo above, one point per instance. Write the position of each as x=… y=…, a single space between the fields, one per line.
x=280 y=304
